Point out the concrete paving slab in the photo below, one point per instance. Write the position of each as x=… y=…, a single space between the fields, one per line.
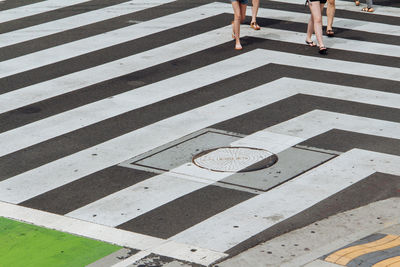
x=291 y=162
x=320 y=263
x=113 y=258
x=393 y=230
x=307 y=244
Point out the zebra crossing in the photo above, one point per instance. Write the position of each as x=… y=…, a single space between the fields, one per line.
x=78 y=98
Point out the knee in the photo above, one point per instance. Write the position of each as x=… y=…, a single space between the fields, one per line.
x=238 y=17
x=317 y=20
x=331 y=3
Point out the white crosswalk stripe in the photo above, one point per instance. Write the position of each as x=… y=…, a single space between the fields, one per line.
x=30 y=171
x=34 y=9
x=76 y=21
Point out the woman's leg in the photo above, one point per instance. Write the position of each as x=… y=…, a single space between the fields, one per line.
x=236 y=23
x=330 y=13
x=243 y=8
x=316 y=8
x=254 y=10
x=310 y=29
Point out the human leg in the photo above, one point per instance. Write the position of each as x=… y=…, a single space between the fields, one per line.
x=243 y=8
x=254 y=11
x=310 y=31
x=330 y=13
x=316 y=12
x=236 y=24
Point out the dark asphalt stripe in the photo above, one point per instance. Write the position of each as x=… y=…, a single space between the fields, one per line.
x=52 y=106
x=186 y=211
x=111 y=53
x=91 y=30
x=56 y=14
x=378 y=186
x=10 y=4
x=88 y=189
x=136 y=46
x=64 y=145
x=342 y=141
x=338 y=14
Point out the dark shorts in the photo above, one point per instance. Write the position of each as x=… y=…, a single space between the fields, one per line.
x=321 y=1
x=243 y=2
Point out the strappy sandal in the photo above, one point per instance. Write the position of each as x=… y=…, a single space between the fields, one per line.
x=330 y=33
x=323 y=50
x=368 y=9
x=255 y=26
x=357 y=2
x=311 y=43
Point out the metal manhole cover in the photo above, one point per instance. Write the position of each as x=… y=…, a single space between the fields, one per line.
x=235 y=159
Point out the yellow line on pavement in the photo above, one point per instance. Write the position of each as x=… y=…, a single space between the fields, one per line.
x=391 y=262
x=346 y=255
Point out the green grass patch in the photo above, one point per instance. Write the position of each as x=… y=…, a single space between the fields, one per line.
x=27 y=245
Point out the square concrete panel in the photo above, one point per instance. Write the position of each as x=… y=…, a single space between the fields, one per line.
x=181 y=151
x=291 y=162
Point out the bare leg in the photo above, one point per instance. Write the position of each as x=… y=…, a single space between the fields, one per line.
x=310 y=29
x=254 y=10
x=330 y=13
x=236 y=24
x=242 y=12
x=316 y=9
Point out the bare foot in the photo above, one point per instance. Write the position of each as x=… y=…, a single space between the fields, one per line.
x=238 y=46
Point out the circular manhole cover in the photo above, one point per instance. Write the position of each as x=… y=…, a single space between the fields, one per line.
x=235 y=159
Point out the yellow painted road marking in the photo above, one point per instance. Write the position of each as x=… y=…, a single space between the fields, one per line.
x=391 y=262
x=346 y=255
